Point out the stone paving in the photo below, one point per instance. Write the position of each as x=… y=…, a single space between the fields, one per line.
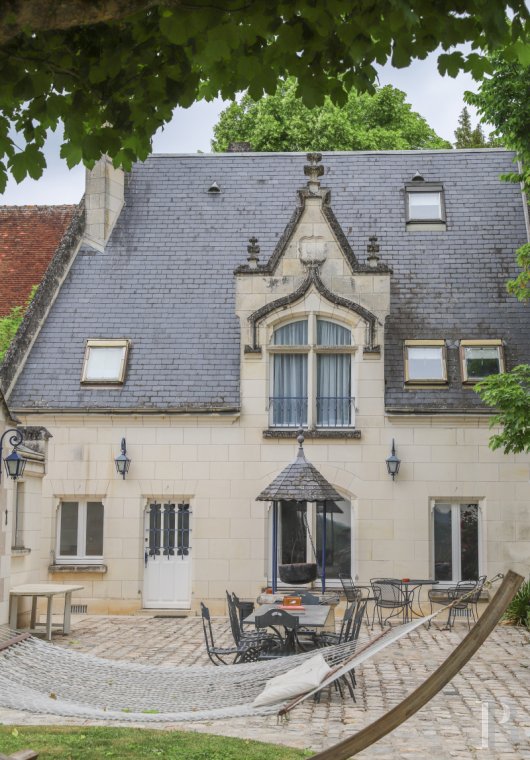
x=483 y=713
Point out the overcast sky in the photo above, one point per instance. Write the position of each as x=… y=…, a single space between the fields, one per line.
x=438 y=99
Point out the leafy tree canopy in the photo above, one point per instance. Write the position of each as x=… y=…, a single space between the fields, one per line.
x=281 y=122
x=113 y=70
x=466 y=136
x=509 y=394
x=503 y=100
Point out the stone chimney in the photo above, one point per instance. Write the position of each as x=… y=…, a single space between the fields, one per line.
x=103 y=201
x=239 y=147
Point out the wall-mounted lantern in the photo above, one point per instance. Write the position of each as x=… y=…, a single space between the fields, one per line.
x=122 y=460
x=393 y=462
x=13 y=463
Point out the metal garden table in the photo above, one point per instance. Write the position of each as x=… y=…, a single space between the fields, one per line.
x=410 y=586
x=312 y=616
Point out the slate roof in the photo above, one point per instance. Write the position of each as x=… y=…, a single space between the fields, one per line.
x=300 y=481
x=166 y=278
x=29 y=236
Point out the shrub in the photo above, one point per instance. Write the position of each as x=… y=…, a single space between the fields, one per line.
x=518 y=612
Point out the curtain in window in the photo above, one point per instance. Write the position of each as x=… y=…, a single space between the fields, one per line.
x=333 y=390
x=333 y=377
x=289 y=401
x=289 y=386
x=293 y=334
x=330 y=334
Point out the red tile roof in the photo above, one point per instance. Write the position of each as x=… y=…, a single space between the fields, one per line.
x=29 y=236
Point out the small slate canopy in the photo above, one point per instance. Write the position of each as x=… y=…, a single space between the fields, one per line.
x=299 y=481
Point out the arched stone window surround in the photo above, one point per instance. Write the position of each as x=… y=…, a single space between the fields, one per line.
x=307 y=403
x=313 y=279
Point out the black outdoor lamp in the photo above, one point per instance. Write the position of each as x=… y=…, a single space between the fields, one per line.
x=122 y=460
x=14 y=463
x=393 y=462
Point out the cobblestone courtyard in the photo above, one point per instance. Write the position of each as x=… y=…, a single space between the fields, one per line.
x=484 y=713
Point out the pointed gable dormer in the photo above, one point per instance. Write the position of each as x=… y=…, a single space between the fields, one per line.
x=312 y=266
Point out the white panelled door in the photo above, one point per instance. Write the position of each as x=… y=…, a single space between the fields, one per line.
x=167 y=576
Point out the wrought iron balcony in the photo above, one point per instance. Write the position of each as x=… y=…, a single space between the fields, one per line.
x=331 y=411
x=288 y=411
x=334 y=411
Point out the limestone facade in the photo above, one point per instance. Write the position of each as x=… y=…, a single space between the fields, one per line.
x=219 y=463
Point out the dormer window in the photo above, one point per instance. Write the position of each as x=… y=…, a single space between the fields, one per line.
x=480 y=358
x=425 y=204
x=105 y=361
x=425 y=362
x=311 y=375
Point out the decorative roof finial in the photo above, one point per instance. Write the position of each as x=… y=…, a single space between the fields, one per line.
x=373 y=252
x=314 y=171
x=300 y=438
x=253 y=251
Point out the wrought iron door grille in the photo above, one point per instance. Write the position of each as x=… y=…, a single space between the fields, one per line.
x=183 y=530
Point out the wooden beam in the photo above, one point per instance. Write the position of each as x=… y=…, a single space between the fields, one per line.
x=10 y=642
x=436 y=681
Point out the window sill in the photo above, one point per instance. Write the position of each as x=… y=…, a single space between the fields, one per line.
x=415 y=226
x=19 y=551
x=327 y=433
x=77 y=568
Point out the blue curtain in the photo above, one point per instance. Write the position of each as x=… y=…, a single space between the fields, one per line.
x=333 y=377
x=289 y=394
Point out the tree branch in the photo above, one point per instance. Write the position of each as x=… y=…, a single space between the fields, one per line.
x=18 y=16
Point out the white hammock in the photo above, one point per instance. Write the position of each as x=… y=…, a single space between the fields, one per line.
x=41 y=678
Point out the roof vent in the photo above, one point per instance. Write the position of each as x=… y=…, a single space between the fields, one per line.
x=418 y=178
x=214 y=188
x=239 y=147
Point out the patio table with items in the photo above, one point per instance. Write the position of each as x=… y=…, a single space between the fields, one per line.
x=320 y=616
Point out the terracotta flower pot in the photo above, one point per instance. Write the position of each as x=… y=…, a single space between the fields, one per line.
x=298 y=572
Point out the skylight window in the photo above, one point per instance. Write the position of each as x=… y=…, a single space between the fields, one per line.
x=425 y=362
x=105 y=361
x=425 y=204
x=480 y=358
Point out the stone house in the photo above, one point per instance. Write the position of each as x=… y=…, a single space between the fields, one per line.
x=202 y=308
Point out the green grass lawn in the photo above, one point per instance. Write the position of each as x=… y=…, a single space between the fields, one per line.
x=87 y=743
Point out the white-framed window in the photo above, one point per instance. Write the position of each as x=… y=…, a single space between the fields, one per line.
x=480 y=358
x=456 y=541
x=80 y=532
x=425 y=362
x=105 y=361
x=311 y=374
x=425 y=203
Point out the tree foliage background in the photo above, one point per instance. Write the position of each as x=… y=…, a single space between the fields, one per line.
x=503 y=100
x=282 y=122
x=112 y=71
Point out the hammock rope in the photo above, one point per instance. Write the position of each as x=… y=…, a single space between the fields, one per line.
x=38 y=677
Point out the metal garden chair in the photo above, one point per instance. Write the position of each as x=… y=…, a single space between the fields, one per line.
x=259 y=638
x=245 y=651
x=466 y=595
x=389 y=596
x=287 y=639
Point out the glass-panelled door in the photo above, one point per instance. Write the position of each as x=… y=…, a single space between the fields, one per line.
x=298 y=544
x=167 y=556
x=338 y=538
x=456 y=542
